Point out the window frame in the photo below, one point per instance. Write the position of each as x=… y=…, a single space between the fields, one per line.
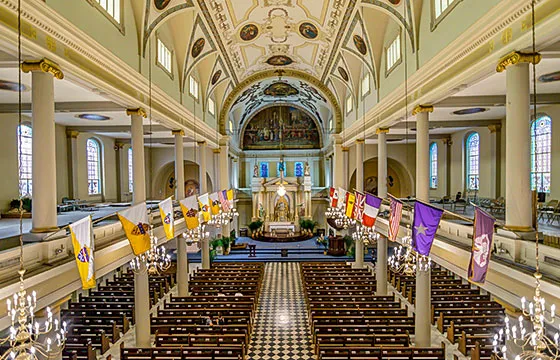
x=396 y=40
x=99 y=162
x=468 y=157
x=349 y=108
x=195 y=80
x=434 y=165
x=28 y=180
x=368 y=76
x=118 y=23
x=213 y=112
x=130 y=160
x=534 y=147
x=437 y=19
x=171 y=55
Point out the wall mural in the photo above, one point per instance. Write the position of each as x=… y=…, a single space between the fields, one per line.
x=280 y=89
x=308 y=30
x=197 y=47
x=249 y=32
x=281 y=127
x=360 y=44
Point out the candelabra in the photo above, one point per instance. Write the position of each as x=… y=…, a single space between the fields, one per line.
x=406 y=261
x=223 y=218
x=196 y=235
x=366 y=234
x=154 y=261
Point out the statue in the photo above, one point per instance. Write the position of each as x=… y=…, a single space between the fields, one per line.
x=261 y=211
x=256 y=171
x=307 y=171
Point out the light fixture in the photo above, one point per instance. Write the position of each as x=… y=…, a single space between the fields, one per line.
x=366 y=234
x=405 y=260
x=29 y=339
x=154 y=261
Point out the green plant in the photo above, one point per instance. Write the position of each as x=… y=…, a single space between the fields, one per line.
x=216 y=243
x=14 y=204
x=350 y=248
x=226 y=241
x=307 y=224
x=255 y=225
x=212 y=255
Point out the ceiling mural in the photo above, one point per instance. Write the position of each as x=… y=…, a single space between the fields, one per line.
x=356 y=42
x=158 y=10
x=200 y=45
x=219 y=75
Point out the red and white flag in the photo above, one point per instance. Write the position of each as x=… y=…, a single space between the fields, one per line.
x=395 y=216
x=333 y=194
x=371 y=209
x=358 y=210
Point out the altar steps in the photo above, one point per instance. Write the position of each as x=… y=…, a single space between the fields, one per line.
x=293 y=254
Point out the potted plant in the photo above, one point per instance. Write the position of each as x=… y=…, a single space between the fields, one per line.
x=321 y=240
x=254 y=227
x=218 y=246
x=350 y=248
x=226 y=241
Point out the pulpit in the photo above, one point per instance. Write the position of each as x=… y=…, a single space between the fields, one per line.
x=336 y=246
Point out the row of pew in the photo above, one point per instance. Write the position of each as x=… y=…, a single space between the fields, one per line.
x=104 y=315
x=214 y=322
x=460 y=311
x=348 y=321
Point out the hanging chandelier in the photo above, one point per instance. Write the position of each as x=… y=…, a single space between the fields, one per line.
x=154 y=261
x=196 y=235
x=223 y=217
x=366 y=234
x=405 y=260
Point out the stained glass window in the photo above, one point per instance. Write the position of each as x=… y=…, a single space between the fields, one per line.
x=473 y=161
x=130 y=177
x=298 y=169
x=433 y=166
x=541 y=136
x=25 y=152
x=264 y=169
x=94 y=166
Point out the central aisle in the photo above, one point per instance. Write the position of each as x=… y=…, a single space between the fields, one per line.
x=281 y=329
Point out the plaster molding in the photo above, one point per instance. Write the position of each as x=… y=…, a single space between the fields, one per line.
x=517 y=57
x=45 y=65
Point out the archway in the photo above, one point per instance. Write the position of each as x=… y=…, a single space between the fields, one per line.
x=164 y=182
x=399 y=180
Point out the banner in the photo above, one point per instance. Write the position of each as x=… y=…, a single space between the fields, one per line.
x=395 y=215
x=189 y=207
x=204 y=206
x=342 y=197
x=359 y=204
x=230 y=194
x=371 y=209
x=136 y=227
x=222 y=195
x=166 y=213
x=215 y=205
x=350 y=200
x=424 y=227
x=481 y=246
x=333 y=195
x=84 y=246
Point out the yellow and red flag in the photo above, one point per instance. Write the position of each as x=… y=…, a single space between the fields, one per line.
x=136 y=226
x=84 y=246
x=350 y=200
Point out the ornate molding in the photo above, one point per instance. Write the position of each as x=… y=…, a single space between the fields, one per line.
x=73 y=134
x=382 y=131
x=422 y=108
x=45 y=65
x=178 y=132
x=517 y=57
x=494 y=128
x=137 y=111
x=360 y=141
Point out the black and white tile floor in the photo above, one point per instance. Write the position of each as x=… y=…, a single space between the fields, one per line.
x=281 y=329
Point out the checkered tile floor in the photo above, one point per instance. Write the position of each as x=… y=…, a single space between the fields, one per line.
x=281 y=329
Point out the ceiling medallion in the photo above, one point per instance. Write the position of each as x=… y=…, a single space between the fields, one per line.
x=94 y=117
x=360 y=44
x=308 y=30
x=216 y=77
x=161 y=4
x=343 y=73
x=281 y=89
x=470 y=111
x=279 y=60
x=197 y=47
x=551 y=77
x=12 y=86
x=249 y=32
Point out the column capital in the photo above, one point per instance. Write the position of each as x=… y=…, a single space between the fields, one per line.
x=360 y=141
x=336 y=139
x=224 y=140
x=517 y=57
x=72 y=134
x=138 y=111
x=201 y=143
x=422 y=108
x=44 y=65
x=178 y=132
x=216 y=151
x=119 y=145
x=447 y=141
x=345 y=148
x=382 y=131
x=494 y=128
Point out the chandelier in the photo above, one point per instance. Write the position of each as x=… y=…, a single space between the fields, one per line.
x=366 y=234
x=154 y=261
x=223 y=217
x=405 y=260
x=196 y=235
x=344 y=221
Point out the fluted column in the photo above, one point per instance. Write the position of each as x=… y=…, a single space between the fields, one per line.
x=43 y=162
x=422 y=113
x=138 y=166
x=179 y=165
x=382 y=165
x=224 y=163
x=360 y=165
x=518 y=139
x=216 y=160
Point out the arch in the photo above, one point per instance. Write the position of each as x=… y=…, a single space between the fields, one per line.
x=434 y=165
x=400 y=180
x=25 y=156
x=94 y=166
x=472 y=161
x=541 y=149
x=165 y=176
x=263 y=75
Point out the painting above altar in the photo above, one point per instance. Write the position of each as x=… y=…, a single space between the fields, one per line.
x=281 y=127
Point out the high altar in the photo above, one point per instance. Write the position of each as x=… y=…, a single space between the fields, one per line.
x=281 y=212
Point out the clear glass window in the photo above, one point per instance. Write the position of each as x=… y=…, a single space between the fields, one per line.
x=93 y=166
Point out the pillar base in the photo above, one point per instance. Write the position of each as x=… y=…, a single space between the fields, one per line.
x=519 y=228
x=45 y=230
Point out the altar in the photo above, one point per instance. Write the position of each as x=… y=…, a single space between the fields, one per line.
x=282 y=226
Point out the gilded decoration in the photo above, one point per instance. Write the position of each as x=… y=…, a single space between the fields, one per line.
x=422 y=108
x=382 y=131
x=178 y=132
x=281 y=89
x=249 y=32
x=44 y=65
x=517 y=57
x=138 y=112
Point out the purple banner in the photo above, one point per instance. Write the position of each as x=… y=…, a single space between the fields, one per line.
x=481 y=246
x=425 y=225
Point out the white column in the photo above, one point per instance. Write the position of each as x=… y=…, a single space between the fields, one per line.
x=43 y=144
x=216 y=161
x=182 y=267
x=73 y=162
x=224 y=163
x=381 y=266
x=359 y=261
x=345 y=162
x=337 y=162
x=422 y=307
x=138 y=166
x=328 y=179
x=360 y=165
x=518 y=148
x=202 y=169
x=179 y=165
x=382 y=168
x=142 y=308
x=422 y=151
x=495 y=159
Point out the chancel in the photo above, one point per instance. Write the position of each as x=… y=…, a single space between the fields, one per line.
x=279 y=179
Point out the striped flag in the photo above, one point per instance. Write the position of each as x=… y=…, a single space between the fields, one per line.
x=350 y=200
x=333 y=194
x=359 y=204
x=371 y=209
x=224 y=200
x=395 y=215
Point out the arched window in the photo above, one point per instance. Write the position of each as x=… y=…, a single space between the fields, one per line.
x=94 y=166
x=473 y=161
x=433 y=166
x=25 y=152
x=541 y=136
x=130 y=177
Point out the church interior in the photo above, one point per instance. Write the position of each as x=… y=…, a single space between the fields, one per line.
x=279 y=179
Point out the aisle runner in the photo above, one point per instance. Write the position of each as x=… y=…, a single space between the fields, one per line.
x=281 y=329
